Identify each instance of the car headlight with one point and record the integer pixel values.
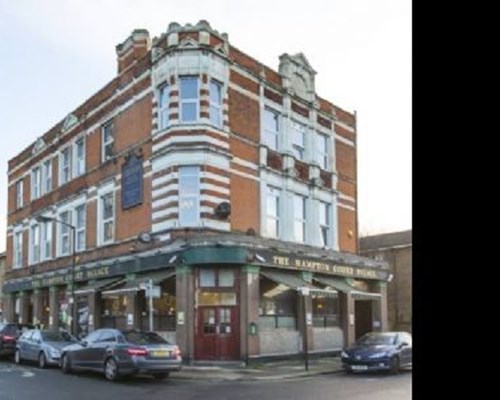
(54, 353)
(378, 355)
(344, 355)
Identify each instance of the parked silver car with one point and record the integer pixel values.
(43, 346)
(121, 353)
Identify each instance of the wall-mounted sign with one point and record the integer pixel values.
(180, 318)
(132, 175)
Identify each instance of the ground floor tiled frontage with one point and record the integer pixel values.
(223, 297)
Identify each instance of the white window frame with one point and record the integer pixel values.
(322, 151)
(189, 202)
(80, 229)
(62, 166)
(17, 246)
(274, 194)
(271, 137)
(19, 193)
(46, 238)
(325, 211)
(299, 149)
(101, 222)
(216, 108)
(36, 182)
(34, 241)
(299, 218)
(163, 108)
(47, 176)
(79, 164)
(189, 100)
(64, 232)
(106, 143)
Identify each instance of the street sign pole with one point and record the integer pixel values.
(151, 304)
(305, 292)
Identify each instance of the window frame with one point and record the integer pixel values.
(46, 227)
(300, 219)
(163, 109)
(322, 150)
(80, 163)
(276, 194)
(19, 193)
(64, 232)
(299, 149)
(193, 194)
(110, 142)
(214, 106)
(270, 133)
(63, 167)
(103, 221)
(80, 229)
(47, 176)
(17, 245)
(36, 182)
(35, 245)
(189, 100)
(325, 225)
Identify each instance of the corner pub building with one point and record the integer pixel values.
(228, 185)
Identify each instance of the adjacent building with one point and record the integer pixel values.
(395, 249)
(2, 272)
(228, 186)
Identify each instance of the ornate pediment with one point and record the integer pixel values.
(39, 146)
(69, 122)
(298, 75)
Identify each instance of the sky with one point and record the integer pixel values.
(54, 54)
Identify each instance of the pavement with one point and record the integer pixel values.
(260, 371)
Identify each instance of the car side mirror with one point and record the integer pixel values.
(84, 343)
(403, 344)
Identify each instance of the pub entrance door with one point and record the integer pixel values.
(217, 333)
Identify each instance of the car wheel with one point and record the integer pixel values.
(111, 370)
(394, 365)
(42, 361)
(66, 364)
(163, 375)
(17, 357)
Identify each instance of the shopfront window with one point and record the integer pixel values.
(164, 308)
(114, 311)
(278, 305)
(325, 311)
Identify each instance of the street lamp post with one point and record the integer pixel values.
(42, 218)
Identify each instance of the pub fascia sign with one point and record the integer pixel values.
(95, 273)
(326, 267)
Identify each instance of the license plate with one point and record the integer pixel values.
(160, 353)
(359, 367)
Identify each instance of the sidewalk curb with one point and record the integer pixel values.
(261, 378)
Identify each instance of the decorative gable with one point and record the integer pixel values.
(298, 75)
(39, 146)
(69, 122)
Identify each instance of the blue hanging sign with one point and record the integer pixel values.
(132, 176)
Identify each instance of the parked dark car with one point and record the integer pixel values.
(121, 353)
(9, 333)
(379, 351)
(43, 346)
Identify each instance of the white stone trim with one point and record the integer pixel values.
(161, 201)
(346, 206)
(344, 140)
(157, 192)
(245, 163)
(190, 139)
(244, 175)
(345, 126)
(244, 92)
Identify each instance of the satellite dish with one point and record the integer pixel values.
(223, 210)
(145, 237)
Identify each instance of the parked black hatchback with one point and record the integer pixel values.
(121, 353)
(379, 351)
(9, 333)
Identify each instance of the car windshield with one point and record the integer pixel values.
(143, 338)
(377, 339)
(51, 336)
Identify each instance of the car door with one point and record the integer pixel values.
(81, 357)
(98, 349)
(405, 345)
(35, 345)
(23, 344)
